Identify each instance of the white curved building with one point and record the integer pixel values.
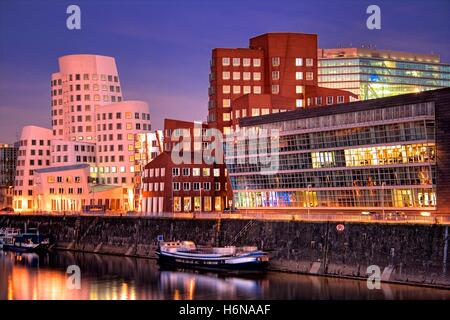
(90, 125)
(34, 153)
(83, 82)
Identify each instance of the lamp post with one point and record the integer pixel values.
(382, 198)
(309, 202)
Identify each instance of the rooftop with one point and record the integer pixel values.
(63, 168)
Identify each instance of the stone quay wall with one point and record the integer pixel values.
(405, 253)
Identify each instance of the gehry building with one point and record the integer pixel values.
(97, 141)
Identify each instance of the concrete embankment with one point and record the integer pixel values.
(414, 254)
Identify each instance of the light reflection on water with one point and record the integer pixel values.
(32, 277)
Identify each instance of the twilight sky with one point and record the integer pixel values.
(162, 48)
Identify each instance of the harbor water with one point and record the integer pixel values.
(32, 276)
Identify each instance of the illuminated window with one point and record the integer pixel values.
(256, 76)
(246, 76)
(299, 62)
(236, 76)
(257, 62)
(197, 204)
(299, 76)
(186, 204)
(225, 61)
(177, 204)
(322, 159)
(226, 103)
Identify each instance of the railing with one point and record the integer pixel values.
(266, 215)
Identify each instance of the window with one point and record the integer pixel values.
(275, 61)
(236, 76)
(236, 62)
(246, 76)
(298, 89)
(175, 171)
(329, 100)
(257, 89)
(236, 89)
(299, 76)
(275, 75)
(226, 116)
(176, 186)
(186, 204)
(196, 172)
(186, 172)
(206, 172)
(299, 62)
(186, 186)
(216, 172)
(318, 101)
(340, 99)
(206, 186)
(247, 89)
(299, 103)
(309, 62)
(309, 76)
(226, 75)
(275, 88)
(226, 89)
(226, 103)
(177, 204)
(256, 76)
(255, 112)
(246, 62)
(322, 159)
(257, 62)
(225, 61)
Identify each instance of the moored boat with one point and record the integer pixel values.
(30, 241)
(187, 254)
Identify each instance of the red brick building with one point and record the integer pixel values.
(187, 186)
(278, 72)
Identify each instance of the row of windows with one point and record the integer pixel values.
(34, 152)
(76, 147)
(357, 118)
(87, 97)
(189, 204)
(196, 186)
(86, 76)
(128, 126)
(395, 198)
(118, 115)
(237, 89)
(86, 87)
(276, 61)
(245, 62)
(351, 178)
(34, 142)
(196, 172)
(397, 133)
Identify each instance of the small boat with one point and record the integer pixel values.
(187, 254)
(7, 233)
(30, 241)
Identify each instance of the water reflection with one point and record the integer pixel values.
(29, 276)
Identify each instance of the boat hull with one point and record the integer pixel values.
(230, 263)
(24, 248)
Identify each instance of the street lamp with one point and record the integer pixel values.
(383, 184)
(309, 201)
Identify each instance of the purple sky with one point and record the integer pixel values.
(162, 48)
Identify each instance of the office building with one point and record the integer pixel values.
(371, 73)
(278, 72)
(382, 155)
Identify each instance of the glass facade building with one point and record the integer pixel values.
(373, 155)
(375, 74)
